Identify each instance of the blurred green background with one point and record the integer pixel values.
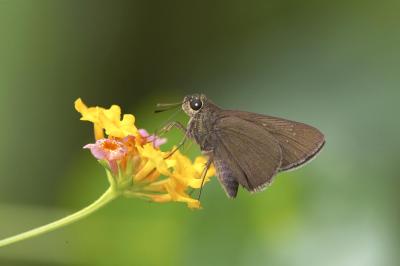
(332, 64)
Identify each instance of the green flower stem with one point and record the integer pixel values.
(108, 196)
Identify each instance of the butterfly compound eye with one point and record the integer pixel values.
(196, 104)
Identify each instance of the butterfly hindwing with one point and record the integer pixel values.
(251, 154)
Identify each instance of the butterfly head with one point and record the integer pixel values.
(193, 104)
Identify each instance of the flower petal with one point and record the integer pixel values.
(156, 157)
(107, 119)
(96, 151)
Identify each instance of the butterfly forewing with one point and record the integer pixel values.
(299, 142)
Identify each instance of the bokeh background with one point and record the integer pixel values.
(332, 64)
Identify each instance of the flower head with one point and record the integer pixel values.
(134, 163)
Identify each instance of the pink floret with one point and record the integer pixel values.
(157, 141)
(108, 149)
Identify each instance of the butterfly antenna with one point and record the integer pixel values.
(162, 107)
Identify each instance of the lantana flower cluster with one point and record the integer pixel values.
(134, 163)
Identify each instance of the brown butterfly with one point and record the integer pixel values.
(246, 148)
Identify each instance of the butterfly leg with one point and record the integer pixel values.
(168, 127)
(204, 173)
(180, 144)
(173, 124)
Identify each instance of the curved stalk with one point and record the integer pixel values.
(108, 196)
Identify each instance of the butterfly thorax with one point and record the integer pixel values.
(201, 127)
